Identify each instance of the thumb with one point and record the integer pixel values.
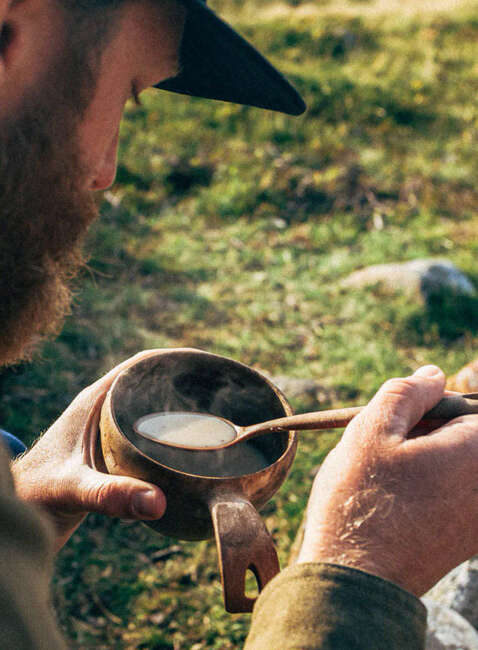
(119, 496)
(400, 404)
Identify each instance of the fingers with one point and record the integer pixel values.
(118, 496)
(399, 404)
(462, 433)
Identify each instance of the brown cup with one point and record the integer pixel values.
(199, 507)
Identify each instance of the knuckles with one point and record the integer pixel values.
(111, 499)
(404, 388)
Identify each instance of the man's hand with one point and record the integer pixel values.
(57, 473)
(405, 509)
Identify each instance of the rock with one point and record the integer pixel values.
(310, 393)
(424, 277)
(465, 380)
(459, 590)
(295, 387)
(448, 630)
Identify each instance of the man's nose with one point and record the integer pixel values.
(105, 174)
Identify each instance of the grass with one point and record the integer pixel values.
(230, 229)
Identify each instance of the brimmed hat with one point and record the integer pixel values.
(217, 63)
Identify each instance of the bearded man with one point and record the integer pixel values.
(384, 510)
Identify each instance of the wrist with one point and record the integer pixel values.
(363, 556)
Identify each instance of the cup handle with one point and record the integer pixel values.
(243, 542)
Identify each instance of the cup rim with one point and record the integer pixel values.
(292, 436)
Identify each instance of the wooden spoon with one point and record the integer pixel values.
(449, 407)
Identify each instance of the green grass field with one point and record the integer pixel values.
(231, 229)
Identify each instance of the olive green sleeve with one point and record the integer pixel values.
(26, 618)
(326, 606)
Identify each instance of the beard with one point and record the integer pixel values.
(44, 212)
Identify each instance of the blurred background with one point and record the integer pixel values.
(236, 231)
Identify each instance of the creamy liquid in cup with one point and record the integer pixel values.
(197, 430)
(188, 429)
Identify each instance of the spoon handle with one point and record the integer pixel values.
(447, 409)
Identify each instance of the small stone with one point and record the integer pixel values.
(466, 379)
(459, 590)
(448, 630)
(309, 393)
(157, 617)
(424, 277)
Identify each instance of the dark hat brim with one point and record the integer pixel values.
(217, 63)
